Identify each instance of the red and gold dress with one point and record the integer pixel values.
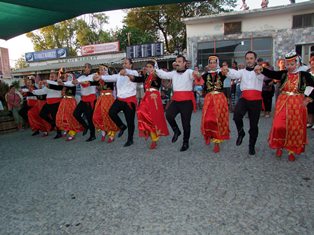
(101, 118)
(150, 113)
(289, 124)
(35, 121)
(65, 119)
(215, 114)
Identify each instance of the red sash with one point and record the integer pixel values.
(31, 102)
(89, 99)
(53, 100)
(183, 96)
(129, 101)
(252, 95)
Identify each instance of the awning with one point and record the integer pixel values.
(22, 16)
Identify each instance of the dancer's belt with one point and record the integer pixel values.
(68, 97)
(214, 92)
(106, 93)
(151, 89)
(290, 93)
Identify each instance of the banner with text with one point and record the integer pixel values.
(101, 48)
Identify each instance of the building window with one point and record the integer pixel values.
(303, 21)
(234, 50)
(232, 27)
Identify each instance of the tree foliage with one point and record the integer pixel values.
(166, 19)
(21, 63)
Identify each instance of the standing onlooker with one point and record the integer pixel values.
(281, 66)
(14, 100)
(267, 92)
(227, 87)
(233, 88)
(198, 88)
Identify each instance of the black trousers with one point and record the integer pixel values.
(267, 99)
(23, 112)
(86, 109)
(129, 114)
(254, 110)
(185, 108)
(49, 113)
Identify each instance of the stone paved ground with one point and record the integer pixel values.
(54, 187)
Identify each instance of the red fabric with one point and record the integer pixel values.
(31, 102)
(54, 100)
(101, 118)
(35, 121)
(215, 117)
(89, 99)
(252, 95)
(289, 124)
(148, 81)
(150, 115)
(129, 100)
(184, 96)
(65, 119)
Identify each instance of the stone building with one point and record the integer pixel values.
(270, 32)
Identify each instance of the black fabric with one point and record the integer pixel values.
(24, 110)
(156, 81)
(213, 82)
(129, 114)
(267, 99)
(86, 109)
(185, 108)
(254, 110)
(49, 113)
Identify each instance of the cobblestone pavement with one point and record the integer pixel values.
(55, 187)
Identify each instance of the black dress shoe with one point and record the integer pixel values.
(184, 147)
(35, 133)
(251, 150)
(240, 138)
(122, 129)
(85, 131)
(58, 136)
(175, 136)
(128, 143)
(91, 139)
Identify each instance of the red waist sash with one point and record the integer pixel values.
(252, 95)
(129, 100)
(184, 96)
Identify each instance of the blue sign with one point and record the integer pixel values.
(46, 55)
(145, 50)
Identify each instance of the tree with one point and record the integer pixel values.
(166, 19)
(21, 63)
(72, 34)
(136, 36)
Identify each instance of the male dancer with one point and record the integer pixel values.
(87, 103)
(126, 99)
(251, 100)
(183, 100)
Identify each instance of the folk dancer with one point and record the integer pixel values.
(150, 113)
(183, 99)
(251, 99)
(296, 91)
(101, 118)
(215, 115)
(87, 103)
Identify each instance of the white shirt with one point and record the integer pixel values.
(85, 91)
(49, 92)
(25, 90)
(180, 81)
(125, 87)
(249, 80)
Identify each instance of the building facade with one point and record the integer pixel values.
(270, 32)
